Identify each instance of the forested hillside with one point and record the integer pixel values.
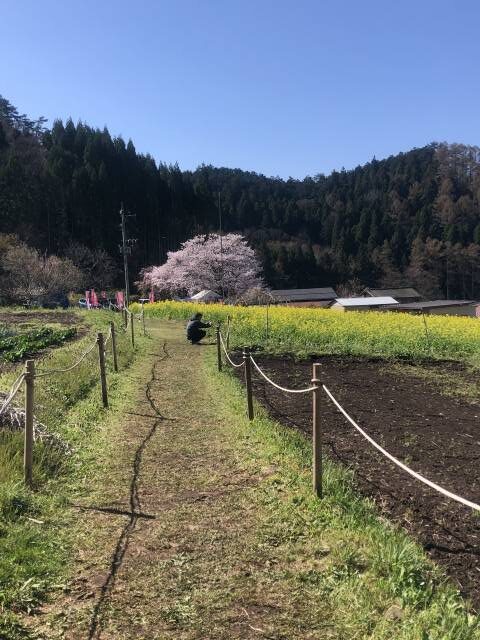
(412, 218)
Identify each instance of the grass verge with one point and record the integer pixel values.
(35, 540)
(372, 578)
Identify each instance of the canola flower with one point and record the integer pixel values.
(326, 331)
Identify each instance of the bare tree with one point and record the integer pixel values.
(97, 265)
(28, 277)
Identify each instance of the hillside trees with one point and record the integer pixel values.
(65, 184)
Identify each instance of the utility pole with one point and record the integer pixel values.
(126, 250)
(221, 245)
(448, 292)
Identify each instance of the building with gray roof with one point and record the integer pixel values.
(442, 307)
(402, 294)
(363, 304)
(317, 297)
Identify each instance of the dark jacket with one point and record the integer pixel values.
(193, 328)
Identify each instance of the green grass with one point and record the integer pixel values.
(240, 538)
(68, 388)
(34, 537)
(362, 567)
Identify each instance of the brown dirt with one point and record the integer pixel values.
(436, 435)
(24, 318)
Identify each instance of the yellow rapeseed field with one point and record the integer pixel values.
(317, 331)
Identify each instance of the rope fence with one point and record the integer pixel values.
(277, 386)
(403, 466)
(240, 364)
(49, 372)
(247, 363)
(316, 423)
(14, 389)
(109, 336)
(30, 375)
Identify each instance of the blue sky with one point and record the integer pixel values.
(279, 87)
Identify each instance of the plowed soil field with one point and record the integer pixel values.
(436, 435)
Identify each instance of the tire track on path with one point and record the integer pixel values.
(96, 622)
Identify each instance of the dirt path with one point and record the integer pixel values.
(169, 545)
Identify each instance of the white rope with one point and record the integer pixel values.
(414, 474)
(226, 354)
(13, 392)
(132, 314)
(277, 385)
(125, 328)
(42, 374)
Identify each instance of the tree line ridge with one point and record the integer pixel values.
(412, 218)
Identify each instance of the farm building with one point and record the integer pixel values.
(206, 295)
(443, 307)
(321, 297)
(363, 304)
(403, 295)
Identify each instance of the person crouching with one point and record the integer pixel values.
(195, 328)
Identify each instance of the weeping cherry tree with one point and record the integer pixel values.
(224, 264)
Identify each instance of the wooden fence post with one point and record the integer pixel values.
(143, 321)
(316, 433)
(125, 317)
(268, 327)
(101, 361)
(248, 382)
(132, 329)
(219, 349)
(29, 403)
(114, 346)
(228, 333)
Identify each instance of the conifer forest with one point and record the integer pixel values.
(413, 218)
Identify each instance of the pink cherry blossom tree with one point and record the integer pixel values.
(227, 266)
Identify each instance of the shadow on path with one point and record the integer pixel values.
(114, 511)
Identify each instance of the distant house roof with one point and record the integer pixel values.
(205, 294)
(366, 302)
(432, 304)
(402, 292)
(304, 295)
